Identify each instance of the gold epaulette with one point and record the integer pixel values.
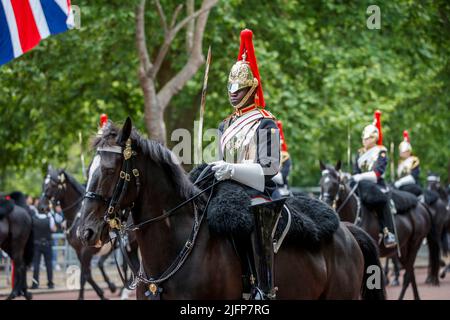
(361, 150)
(415, 162)
(266, 114)
(284, 156)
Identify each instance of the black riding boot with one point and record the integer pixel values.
(266, 215)
(387, 226)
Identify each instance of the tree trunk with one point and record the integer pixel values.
(155, 103)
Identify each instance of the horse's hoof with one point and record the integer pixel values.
(103, 298)
(12, 295)
(28, 295)
(432, 281)
(395, 283)
(112, 288)
(442, 275)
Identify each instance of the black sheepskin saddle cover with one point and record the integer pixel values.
(430, 197)
(412, 188)
(372, 196)
(228, 213)
(404, 201)
(6, 207)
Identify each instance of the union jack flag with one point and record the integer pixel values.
(23, 23)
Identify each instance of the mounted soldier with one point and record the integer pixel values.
(370, 166)
(408, 169)
(250, 149)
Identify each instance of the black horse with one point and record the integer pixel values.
(438, 199)
(16, 239)
(61, 186)
(412, 226)
(206, 266)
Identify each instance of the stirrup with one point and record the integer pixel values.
(389, 240)
(258, 294)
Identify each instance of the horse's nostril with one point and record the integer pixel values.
(87, 234)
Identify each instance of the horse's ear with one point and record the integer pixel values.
(338, 165)
(322, 165)
(125, 133)
(49, 168)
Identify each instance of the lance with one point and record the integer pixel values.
(392, 162)
(349, 150)
(83, 169)
(202, 106)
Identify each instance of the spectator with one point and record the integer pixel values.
(58, 215)
(43, 226)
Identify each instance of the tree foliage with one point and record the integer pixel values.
(323, 71)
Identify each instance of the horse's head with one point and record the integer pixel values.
(433, 182)
(329, 182)
(52, 188)
(112, 184)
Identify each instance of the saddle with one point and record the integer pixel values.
(430, 197)
(312, 221)
(6, 207)
(412, 188)
(372, 196)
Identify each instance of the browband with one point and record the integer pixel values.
(115, 149)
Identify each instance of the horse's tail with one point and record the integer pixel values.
(434, 245)
(29, 248)
(371, 258)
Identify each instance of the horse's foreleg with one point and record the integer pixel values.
(86, 272)
(82, 284)
(414, 286)
(101, 262)
(396, 263)
(386, 271)
(406, 280)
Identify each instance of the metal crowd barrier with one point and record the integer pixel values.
(63, 255)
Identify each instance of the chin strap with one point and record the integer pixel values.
(250, 174)
(247, 96)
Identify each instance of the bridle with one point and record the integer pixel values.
(336, 198)
(112, 216)
(119, 228)
(62, 186)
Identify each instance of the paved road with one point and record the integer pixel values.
(427, 292)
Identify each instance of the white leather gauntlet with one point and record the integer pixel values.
(250, 174)
(369, 176)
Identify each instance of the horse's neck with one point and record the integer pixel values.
(160, 242)
(69, 203)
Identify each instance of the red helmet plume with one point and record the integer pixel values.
(247, 48)
(377, 123)
(406, 136)
(103, 119)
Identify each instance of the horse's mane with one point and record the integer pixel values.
(77, 186)
(153, 150)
